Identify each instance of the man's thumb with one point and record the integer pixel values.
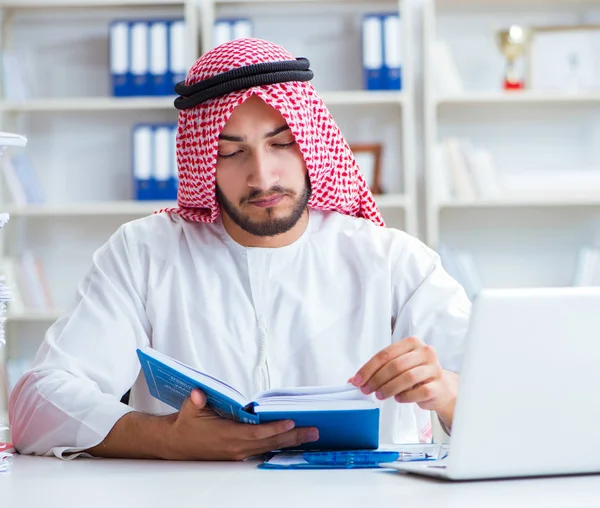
(195, 402)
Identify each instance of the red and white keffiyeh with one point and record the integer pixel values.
(336, 181)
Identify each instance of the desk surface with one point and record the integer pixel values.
(49, 482)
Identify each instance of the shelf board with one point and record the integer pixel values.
(363, 97)
(392, 201)
(82, 4)
(534, 202)
(110, 104)
(138, 208)
(89, 104)
(513, 6)
(33, 316)
(526, 97)
(107, 208)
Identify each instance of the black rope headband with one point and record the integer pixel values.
(266, 73)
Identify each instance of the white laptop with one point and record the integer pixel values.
(529, 396)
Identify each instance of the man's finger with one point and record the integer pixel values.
(290, 439)
(401, 347)
(194, 403)
(409, 380)
(394, 369)
(264, 430)
(420, 394)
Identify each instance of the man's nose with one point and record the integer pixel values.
(263, 174)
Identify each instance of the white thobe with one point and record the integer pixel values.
(311, 313)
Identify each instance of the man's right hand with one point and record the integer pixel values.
(198, 433)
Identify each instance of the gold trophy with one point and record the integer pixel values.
(513, 43)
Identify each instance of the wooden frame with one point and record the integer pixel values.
(369, 154)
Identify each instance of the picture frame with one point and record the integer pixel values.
(563, 58)
(368, 157)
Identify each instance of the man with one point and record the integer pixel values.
(274, 271)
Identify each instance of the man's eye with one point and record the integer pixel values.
(284, 145)
(228, 155)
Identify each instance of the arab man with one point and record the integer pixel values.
(275, 270)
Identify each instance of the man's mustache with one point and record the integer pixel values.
(273, 191)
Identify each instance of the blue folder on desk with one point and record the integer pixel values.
(346, 418)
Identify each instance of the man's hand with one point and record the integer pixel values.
(197, 433)
(409, 371)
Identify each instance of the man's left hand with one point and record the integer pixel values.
(409, 371)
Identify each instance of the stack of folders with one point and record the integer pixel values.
(147, 58)
(229, 29)
(155, 162)
(382, 51)
(6, 140)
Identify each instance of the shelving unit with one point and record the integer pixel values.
(79, 136)
(79, 142)
(514, 240)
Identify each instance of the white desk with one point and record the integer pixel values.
(48, 482)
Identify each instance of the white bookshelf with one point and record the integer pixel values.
(79, 136)
(112, 104)
(514, 239)
(478, 99)
(79, 142)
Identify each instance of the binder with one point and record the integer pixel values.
(161, 176)
(174, 180)
(177, 53)
(142, 162)
(392, 51)
(160, 84)
(119, 58)
(140, 60)
(241, 29)
(372, 52)
(222, 32)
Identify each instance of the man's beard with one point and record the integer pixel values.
(270, 226)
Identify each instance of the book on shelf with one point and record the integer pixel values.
(147, 57)
(382, 51)
(465, 172)
(27, 280)
(21, 181)
(230, 29)
(154, 162)
(446, 76)
(17, 80)
(587, 268)
(460, 265)
(344, 416)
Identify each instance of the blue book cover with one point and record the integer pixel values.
(119, 58)
(139, 40)
(346, 418)
(143, 162)
(160, 80)
(392, 51)
(372, 52)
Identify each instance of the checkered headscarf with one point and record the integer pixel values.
(336, 181)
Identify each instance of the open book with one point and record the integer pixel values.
(345, 417)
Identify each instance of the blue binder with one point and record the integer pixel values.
(160, 82)
(372, 52)
(162, 159)
(392, 51)
(142, 162)
(119, 58)
(177, 69)
(139, 37)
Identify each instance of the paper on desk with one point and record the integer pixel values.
(5, 455)
(408, 452)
